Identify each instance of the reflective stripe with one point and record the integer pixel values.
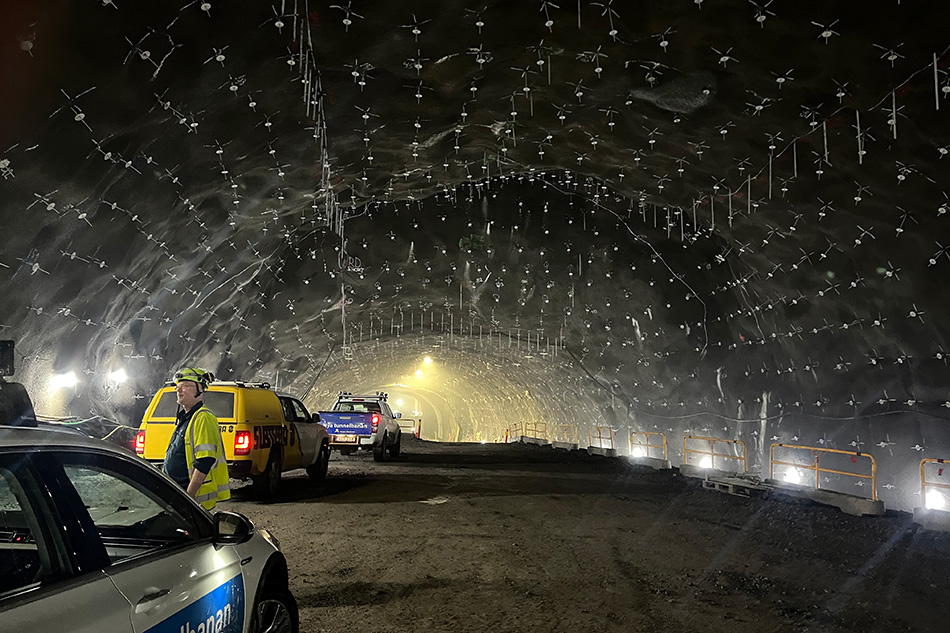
(214, 494)
(205, 447)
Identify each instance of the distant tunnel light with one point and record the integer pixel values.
(706, 462)
(66, 380)
(427, 360)
(118, 376)
(399, 402)
(638, 452)
(419, 374)
(935, 500)
(792, 476)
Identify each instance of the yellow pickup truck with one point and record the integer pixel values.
(265, 433)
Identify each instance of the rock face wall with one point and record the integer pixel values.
(727, 219)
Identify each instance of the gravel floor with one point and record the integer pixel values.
(494, 537)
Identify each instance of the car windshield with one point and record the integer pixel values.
(221, 404)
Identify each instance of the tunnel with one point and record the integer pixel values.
(716, 221)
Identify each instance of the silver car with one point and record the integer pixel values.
(94, 539)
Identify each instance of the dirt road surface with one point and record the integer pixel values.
(523, 538)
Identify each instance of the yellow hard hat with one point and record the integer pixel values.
(201, 376)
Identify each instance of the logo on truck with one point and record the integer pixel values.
(267, 436)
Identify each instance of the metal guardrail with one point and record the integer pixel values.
(537, 430)
(596, 434)
(646, 446)
(566, 433)
(816, 468)
(925, 484)
(711, 453)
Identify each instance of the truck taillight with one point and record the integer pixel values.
(375, 422)
(242, 443)
(140, 443)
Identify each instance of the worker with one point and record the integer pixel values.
(195, 457)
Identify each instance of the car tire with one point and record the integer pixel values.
(276, 612)
(318, 470)
(267, 483)
(396, 448)
(379, 451)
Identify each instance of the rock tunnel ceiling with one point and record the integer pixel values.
(707, 213)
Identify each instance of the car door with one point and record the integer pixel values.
(50, 572)
(158, 542)
(391, 424)
(308, 431)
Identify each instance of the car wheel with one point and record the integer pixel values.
(379, 451)
(276, 612)
(267, 483)
(318, 471)
(397, 447)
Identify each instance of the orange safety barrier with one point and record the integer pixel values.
(596, 434)
(538, 430)
(938, 465)
(566, 433)
(647, 447)
(711, 453)
(514, 431)
(816, 468)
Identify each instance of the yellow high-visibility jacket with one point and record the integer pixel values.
(203, 439)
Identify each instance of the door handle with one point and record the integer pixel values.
(152, 594)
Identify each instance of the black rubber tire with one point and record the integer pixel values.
(275, 612)
(268, 482)
(379, 451)
(396, 448)
(318, 471)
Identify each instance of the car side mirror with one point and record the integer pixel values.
(231, 528)
(397, 415)
(315, 418)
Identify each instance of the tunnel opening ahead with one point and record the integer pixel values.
(467, 388)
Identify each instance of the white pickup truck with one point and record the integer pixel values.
(363, 422)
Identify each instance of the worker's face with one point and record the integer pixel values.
(188, 395)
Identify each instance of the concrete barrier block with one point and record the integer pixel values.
(688, 470)
(849, 504)
(534, 440)
(604, 452)
(652, 462)
(929, 519)
(565, 446)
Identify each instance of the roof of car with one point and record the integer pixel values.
(234, 383)
(45, 436)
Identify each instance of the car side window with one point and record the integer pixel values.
(26, 557)
(21, 564)
(300, 411)
(287, 408)
(132, 512)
